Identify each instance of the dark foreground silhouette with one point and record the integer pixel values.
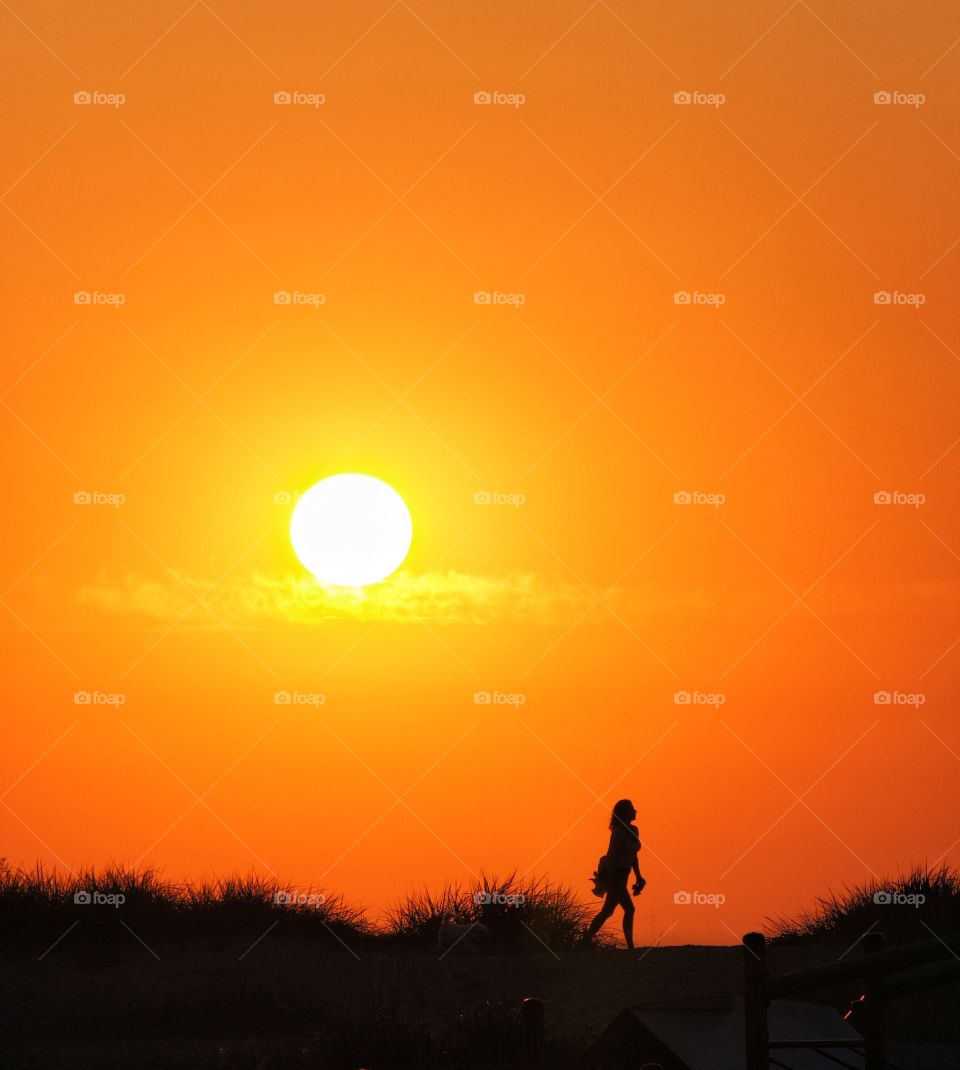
(230, 975)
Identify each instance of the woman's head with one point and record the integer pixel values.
(623, 813)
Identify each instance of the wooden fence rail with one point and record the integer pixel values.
(885, 973)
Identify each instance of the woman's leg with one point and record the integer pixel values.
(617, 896)
(628, 912)
(609, 905)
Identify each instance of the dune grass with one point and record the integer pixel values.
(34, 902)
(911, 906)
(517, 913)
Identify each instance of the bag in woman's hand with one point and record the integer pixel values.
(599, 878)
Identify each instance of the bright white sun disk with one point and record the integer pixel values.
(351, 530)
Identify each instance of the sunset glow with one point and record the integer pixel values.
(641, 320)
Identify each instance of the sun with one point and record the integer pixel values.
(351, 530)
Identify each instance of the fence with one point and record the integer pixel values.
(884, 973)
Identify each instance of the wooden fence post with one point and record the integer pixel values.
(531, 1022)
(875, 1024)
(757, 1055)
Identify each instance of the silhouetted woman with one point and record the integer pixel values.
(621, 858)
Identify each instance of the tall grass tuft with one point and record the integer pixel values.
(911, 906)
(532, 915)
(41, 902)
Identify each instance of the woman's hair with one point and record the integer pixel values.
(622, 813)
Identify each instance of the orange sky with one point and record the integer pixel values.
(590, 193)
